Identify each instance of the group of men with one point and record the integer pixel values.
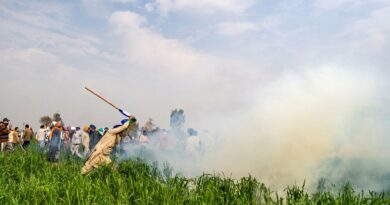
(12, 137)
(95, 144)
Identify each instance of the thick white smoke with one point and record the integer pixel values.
(304, 119)
(307, 124)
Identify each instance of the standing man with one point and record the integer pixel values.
(13, 139)
(4, 132)
(54, 141)
(93, 136)
(101, 153)
(85, 140)
(41, 134)
(27, 136)
(76, 141)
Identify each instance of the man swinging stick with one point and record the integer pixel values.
(100, 155)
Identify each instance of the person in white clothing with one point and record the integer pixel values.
(41, 135)
(76, 142)
(193, 141)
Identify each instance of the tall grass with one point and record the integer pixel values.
(27, 178)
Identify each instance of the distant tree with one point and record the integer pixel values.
(177, 119)
(45, 120)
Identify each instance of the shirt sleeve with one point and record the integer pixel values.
(119, 129)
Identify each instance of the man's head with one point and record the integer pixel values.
(86, 128)
(92, 127)
(16, 129)
(27, 126)
(6, 121)
(42, 126)
(101, 131)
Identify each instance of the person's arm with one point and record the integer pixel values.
(119, 129)
(18, 137)
(11, 137)
(4, 131)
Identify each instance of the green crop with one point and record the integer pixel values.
(27, 178)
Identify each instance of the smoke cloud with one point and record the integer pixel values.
(325, 123)
(306, 118)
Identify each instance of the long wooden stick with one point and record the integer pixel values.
(101, 97)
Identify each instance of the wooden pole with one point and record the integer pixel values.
(101, 97)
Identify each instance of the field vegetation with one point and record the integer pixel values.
(27, 178)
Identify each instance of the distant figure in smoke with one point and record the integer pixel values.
(193, 141)
(101, 153)
(55, 138)
(148, 128)
(146, 132)
(177, 119)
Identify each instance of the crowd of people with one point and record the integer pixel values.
(12, 137)
(54, 138)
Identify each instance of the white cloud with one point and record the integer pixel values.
(124, 1)
(182, 76)
(110, 1)
(143, 46)
(235, 28)
(370, 33)
(203, 6)
(334, 4)
(149, 7)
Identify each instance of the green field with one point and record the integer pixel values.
(27, 178)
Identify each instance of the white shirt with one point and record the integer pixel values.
(76, 139)
(41, 133)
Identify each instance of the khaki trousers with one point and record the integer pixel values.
(96, 159)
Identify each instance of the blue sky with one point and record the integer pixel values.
(283, 73)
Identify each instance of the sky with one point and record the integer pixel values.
(270, 77)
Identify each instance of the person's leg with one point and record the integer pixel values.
(77, 148)
(86, 152)
(25, 144)
(92, 163)
(9, 146)
(72, 149)
(53, 148)
(41, 144)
